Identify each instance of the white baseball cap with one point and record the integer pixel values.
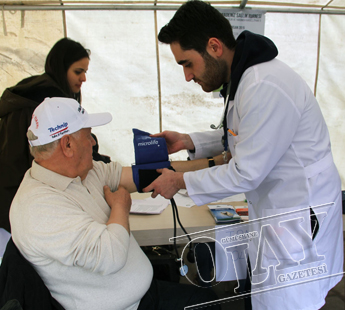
(55, 117)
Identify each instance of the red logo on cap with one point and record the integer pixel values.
(36, 121)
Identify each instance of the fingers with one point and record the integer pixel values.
(151, 187)
(161, 134)
(120, 192)
(148, 188)
(154, 195)
(160, 187)
(106, 190)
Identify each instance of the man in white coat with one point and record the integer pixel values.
(280, 147)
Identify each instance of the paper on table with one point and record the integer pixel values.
(149, 205)
(183, 200)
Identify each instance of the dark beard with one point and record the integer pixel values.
(215, 73)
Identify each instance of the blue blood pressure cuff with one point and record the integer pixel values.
(149, 149)
(151, 153)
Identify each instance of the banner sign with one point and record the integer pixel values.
(252, 20)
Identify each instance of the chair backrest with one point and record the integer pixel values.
(20, 281)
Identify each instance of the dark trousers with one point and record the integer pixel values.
(164, 295)
(204, 255)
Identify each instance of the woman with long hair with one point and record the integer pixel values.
(65, 71)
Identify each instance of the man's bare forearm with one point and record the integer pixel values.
(179, 166)
(197, 164)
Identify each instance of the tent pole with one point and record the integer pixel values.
(243, 4)
(158, 73)
(314, 10)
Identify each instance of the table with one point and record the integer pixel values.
(158, 229)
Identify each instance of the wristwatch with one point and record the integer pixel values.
(211, 162)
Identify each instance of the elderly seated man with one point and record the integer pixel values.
(69, 219)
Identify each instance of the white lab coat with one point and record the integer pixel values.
(282, 161)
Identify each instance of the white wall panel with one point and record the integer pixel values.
(25, 40)
(330, 90)
(296, 37)
(122, 76)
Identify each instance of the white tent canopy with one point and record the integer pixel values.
(135, 78)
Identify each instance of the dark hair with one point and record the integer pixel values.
(62, 55)
(193, 24)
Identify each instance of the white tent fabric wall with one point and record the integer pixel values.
(123, 74)
(330, 90)
(25, 40)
